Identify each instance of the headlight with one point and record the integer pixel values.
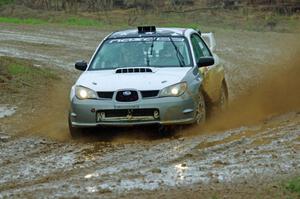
(85, 93)
(174, 90)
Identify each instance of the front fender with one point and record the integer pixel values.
(72, 93)
(213, 78)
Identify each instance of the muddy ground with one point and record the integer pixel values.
(244, 153)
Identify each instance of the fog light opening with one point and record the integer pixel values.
(156, 114)
(101, 116)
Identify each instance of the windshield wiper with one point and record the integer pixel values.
(178, 54)
(151, 50)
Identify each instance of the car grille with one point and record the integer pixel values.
(125, 112)
(127, 96)
(120, 97)
(118, 115)
(146, 94)
(106, 95)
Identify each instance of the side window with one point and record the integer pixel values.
(196, 48)
(200, 49)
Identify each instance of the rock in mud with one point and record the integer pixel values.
(156, 170)
(4, 137)
(215, 180)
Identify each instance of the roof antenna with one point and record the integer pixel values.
(199, 31)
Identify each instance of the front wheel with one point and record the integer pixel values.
(166, 131)
(74, 132)
(201, 110)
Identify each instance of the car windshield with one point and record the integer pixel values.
(144, 51)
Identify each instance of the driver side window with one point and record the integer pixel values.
(199, 47)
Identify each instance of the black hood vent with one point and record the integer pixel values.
(134, 70)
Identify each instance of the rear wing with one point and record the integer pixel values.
(209, 39)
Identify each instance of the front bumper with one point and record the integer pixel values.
(172, 110)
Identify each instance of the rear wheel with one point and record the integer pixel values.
(74, 131)
(201, 110)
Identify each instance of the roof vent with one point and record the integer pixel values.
(145, 29)
(134, 70)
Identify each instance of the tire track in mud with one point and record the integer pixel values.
(222, 162)
(38, 164)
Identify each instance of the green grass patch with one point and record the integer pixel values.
(6, 2)
(27, 71)
(294, 185)
(29, 21)
(77, 21)
(68, 21)
(122, 19)
(14, 70)
(17, 69)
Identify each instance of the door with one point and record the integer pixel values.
(213, 75)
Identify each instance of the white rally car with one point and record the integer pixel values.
(148, 76)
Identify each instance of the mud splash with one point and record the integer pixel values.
(50, 118)
(277, 93)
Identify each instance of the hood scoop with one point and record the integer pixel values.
(134, 70)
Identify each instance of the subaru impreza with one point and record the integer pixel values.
(148, 76)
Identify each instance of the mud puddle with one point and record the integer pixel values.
(6, 110)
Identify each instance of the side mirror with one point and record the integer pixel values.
(205, 61)
(81, 65)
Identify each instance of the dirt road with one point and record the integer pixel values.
(39, 159)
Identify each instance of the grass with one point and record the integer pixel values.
(119, 19)
(80, 21)
(29, 21)
(69, 21)
(293, 185)
(77, 21)
(5, 2)
(125, 18)
(18, 72)
(16, 69)
(28, 71)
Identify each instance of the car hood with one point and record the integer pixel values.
(109, 80)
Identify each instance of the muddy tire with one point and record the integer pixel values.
(223, 100)
(165, 131)
(200, 117)
(74, 132)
